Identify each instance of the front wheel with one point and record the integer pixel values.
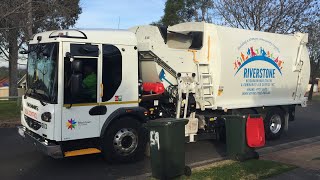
(124, 141)
(274, 123)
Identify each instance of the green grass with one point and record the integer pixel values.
(9, 110)
(252, 169)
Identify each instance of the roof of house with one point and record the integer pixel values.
(4, 82)
(23, 79)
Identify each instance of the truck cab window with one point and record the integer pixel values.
(111, 71)
(88, 91)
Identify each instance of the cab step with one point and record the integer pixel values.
(82, 152)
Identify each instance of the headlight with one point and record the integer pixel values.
(46, 117)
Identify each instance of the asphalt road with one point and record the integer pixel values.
(19, 160)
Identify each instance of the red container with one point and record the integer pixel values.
(255, 132)
(153, 88)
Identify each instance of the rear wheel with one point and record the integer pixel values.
(124, 141)
(187, 171)
(274, 123)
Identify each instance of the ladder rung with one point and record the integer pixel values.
(207, 85)
(208, 106)
(208, 96)
(206, 74)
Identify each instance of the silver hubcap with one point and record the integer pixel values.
(125, 141)
(276, 124)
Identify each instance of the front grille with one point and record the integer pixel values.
(32, 123)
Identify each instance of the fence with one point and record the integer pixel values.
(18, 99)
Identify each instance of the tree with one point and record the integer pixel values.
(20, 19)
(178, 11)
(198, 10)
(281, 16)
(173, 12)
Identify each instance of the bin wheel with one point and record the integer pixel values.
(124, 141)
(187, 171)
(256, 155)
(240, 157)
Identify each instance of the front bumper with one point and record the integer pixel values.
(48, 148)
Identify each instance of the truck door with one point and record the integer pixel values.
(81, 112)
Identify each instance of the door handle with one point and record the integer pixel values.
(101, 90)
(98, 110)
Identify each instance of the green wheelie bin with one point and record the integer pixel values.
(167, 147)
(237, 147)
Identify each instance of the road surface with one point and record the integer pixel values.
(19, 160)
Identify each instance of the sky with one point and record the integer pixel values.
(106, 14)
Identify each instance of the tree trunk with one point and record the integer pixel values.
(313, 76)
(13, 61)
(30, 20)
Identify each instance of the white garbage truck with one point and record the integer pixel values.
(91, 91)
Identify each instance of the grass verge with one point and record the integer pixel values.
(248, 170)
(9, 113)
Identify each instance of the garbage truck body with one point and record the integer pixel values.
(91, 91)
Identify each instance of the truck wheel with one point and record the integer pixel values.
(274, 123)
(187, 171)
(124, 141)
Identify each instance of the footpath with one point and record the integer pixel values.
(306, 157)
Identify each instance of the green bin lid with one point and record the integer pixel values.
(165, 122)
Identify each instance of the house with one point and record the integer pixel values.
(4, 82)
(22, 83)
(4, 87)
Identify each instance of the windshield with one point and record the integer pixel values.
(42, 72)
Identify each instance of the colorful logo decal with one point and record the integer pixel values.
(162, 77)
(118, 98)
(71, 124)
(258, 78)
(253, 55)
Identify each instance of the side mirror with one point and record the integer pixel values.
(76, 84)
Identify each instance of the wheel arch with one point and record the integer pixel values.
(134, 112)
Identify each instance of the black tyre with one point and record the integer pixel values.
(124, 141)
(256, 155)
(274, 123)
(187, 171)
(240, 157)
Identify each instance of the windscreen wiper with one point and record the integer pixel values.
(41, 96)
(33, 92)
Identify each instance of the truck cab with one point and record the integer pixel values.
(79, 84)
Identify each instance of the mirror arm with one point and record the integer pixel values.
(68, 55)
(69, 107)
